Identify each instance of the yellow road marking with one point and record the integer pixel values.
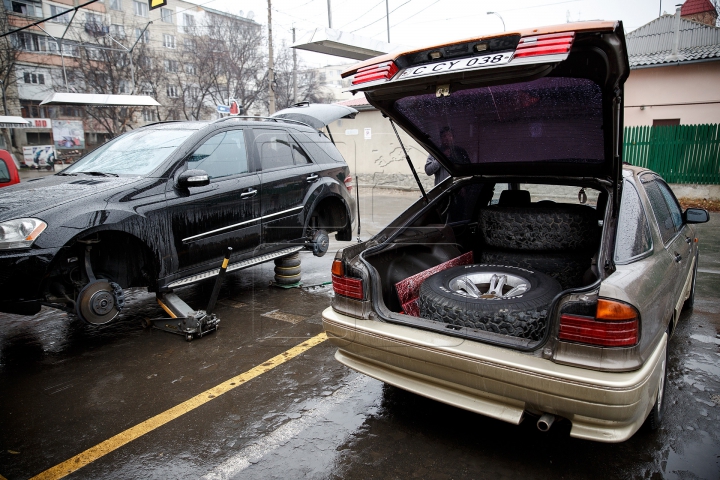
(113, 443)
(2, 478)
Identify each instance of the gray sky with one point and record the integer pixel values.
(423, 22)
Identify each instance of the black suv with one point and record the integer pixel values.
(157, 207)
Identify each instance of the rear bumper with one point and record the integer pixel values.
(497, 382)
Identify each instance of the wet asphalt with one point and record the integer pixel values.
(66, 387)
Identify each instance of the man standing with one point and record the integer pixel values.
(454, 153)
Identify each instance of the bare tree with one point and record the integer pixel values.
(8, 58)
(309, 87)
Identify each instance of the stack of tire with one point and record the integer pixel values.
(287, 270)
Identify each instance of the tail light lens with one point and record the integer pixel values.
(550, 44)
(616, 324)
(346, 286)
(348, 183)
(380, 71)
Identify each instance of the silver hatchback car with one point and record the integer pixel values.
(493, 292)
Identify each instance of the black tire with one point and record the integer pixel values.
(567, 268)
(690, 302)
(289, 261)
(538, 228)
(287, 280)
(287, 271)
(523, 316)
(656, 414)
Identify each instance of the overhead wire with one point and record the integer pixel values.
(361, 16)
(381, 18)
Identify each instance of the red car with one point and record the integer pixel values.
(8, 170)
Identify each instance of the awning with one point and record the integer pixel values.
(99, 100)
(343, 44)
(13, 122)
(317, 115)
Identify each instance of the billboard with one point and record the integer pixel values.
(39, 156)
(68, 134)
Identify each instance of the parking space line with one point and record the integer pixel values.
(113, 443)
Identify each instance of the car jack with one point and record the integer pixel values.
(183, 319)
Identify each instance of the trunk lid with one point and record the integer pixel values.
(544, 101)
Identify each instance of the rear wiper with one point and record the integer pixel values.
(101, 174)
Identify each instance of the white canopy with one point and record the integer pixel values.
(99, 100)
(13, 122)
(342, 44)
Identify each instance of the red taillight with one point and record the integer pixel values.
(615, 325)
(349, 287)
(380, 71)
(348, 183)
(550, 44)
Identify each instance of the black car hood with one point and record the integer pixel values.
(545, 115)
(30, 199)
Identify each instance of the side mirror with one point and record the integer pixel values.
(193, 178)
(696, 215)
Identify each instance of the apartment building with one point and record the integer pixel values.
(108, 31)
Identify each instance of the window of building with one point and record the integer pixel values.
(55, 10)
(37, 78)
(141, 8)
(117, 30)
(142, 37)
(665, 122)
(27, 8)
(166, 15)
(171, 66)
(93, 18)
(190, 69)
(168, 41)
(115, 4)
(172, 91)
(149, 115)
(188, 20)
(189, 43)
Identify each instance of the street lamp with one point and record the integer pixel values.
(501, 19)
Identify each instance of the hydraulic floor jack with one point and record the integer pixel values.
(183, 319)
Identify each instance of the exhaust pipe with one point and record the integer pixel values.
(545, 422)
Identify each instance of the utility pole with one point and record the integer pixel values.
(387, 18)
(271, 67)
(294, 70)
(329, 15)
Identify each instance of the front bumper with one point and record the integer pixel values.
(22, 273)
(497, 382)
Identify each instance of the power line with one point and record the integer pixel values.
(361, 16)
(379, 19)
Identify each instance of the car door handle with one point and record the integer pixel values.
(251, 192)
(678, 257)
(688, 240)
(311, 178)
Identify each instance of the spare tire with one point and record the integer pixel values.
(509, 310)
(540, 228)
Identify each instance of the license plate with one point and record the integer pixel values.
(446, 66)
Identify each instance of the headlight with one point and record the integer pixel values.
(20, 233)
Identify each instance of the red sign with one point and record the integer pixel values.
(39, 123)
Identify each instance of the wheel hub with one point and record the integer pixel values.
(490, 286)
(97, 303)
(102, 302)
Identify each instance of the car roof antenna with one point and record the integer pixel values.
(407, 157)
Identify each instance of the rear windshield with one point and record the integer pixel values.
(551, 119)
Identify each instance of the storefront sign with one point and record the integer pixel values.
(39, 123)
(68, 134)
(39, 156)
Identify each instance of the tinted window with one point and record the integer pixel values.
(672, 203)
(633, 231)
(320, 148)
(300, 157)
(551, 119)
(221, 155)
(275, 149)
(660, 208)
(4, 172)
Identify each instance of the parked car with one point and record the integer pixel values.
(158, 207)
(8, 170)
(483, 296)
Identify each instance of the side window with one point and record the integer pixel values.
(221, 155)
(275, 149)
(659, 207)
(4, 172)
(299, 155)
(633, 232)
(320, 147)
(673, 205)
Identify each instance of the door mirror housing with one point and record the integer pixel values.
(696, 215)
(193, 178)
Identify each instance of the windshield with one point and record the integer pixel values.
(134, 153)
(551, 119)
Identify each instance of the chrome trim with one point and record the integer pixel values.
(284, 211)
(235, 266)
(194, 237)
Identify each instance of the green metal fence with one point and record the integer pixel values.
(679, 153)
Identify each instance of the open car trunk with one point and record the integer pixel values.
(474, 229)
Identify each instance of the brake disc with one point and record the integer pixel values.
(97, 303)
